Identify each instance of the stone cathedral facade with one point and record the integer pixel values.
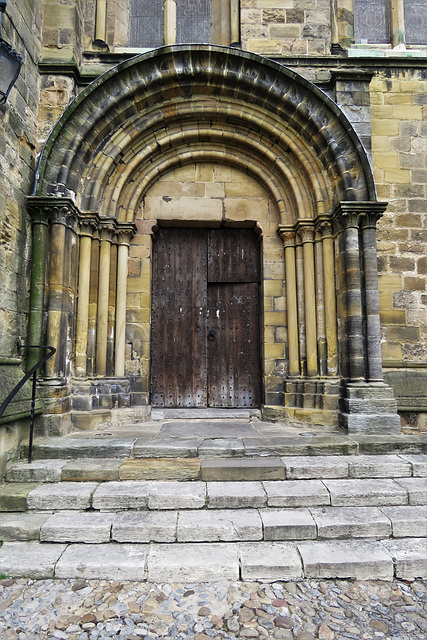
(216, 203)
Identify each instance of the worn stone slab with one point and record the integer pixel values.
(61, 495)
(370, 466)
(384, 444)
(177, 495)
(419, 464)
(242, 469)
(313, 467)
(288, 524)
(269, 561)
(29, 559)
(13, 497)
(112, 496)
(161, 469)
(416, 488)
(365, 493)
(409, 557)
(219, 525)
(221, 447)
(22, 526)
(90, 470)
(351, 522)
(145, 526)
(167, 448)
(192, 562)
(112, 562)
(36, 471)
(71, 526)
(360, 559)
(224, 429)
(75, 447)
(210, 413)
(235, 495)
(407, 521)
(333, 444)
(296, 493)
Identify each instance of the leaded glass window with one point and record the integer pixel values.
(372, 21)
(415, 12)
(146, 23)
(193, 19)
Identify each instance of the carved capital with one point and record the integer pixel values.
(53, 210)
(358, 214)
(288, 235)
(306, 231)
(88, 224)
(125, 232)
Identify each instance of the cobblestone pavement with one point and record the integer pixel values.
(328, 610)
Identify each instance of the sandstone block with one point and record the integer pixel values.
(22, 526)
(269, 561)
(36, 471)
(311, 467)
(358, 559)
(29, 559)
(167, 448)
(409, 557)
(115, 562)
(88, 527)
(364, 492)
(145, 526)
(235, 495)
(378, 467)
(419, 464)
(416, 488)
(91, 469)
(219, 525)
(351, 522)
(177, 495)
(13, 497)
(190, 562)
(242, 469)
(296, 493)
(220, 447)
(77, 447)
(288, 524)
(407, 521)
(111, 496)
(61, 495)
(160, 469)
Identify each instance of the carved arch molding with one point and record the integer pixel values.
(185, 105)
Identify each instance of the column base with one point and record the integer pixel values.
(312, 393)
(368, 408)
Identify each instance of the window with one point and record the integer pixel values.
(415, 12)
(146, 23)
(396, 22)
(372, 21)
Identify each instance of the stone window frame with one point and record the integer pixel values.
(224, 28)
(342, 12)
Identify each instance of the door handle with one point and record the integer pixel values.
(211, 335)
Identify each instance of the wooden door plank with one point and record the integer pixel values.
(233, 255)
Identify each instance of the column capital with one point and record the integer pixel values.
(287, 234)
(107, 228)
(125, 232)
(53, 210)
(325, 227)
(88, 223)
(355, 214)
(306, 231)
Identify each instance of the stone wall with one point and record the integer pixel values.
(399, 152)
(21, 26)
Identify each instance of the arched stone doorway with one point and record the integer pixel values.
(202, 108)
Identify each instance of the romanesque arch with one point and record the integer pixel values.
(186, 106)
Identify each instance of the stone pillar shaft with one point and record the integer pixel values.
(372, 304)
(103, 299)
(100, 20)
(307, 237)
(330, 301)
(56, 285)
(170, 21)
(291, 302)
(397, 24)
(122, 272)
(83, 305)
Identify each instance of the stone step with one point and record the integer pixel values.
(404, 558)
(212, 525)
(146, 494)
(219, 469)
(219, 440)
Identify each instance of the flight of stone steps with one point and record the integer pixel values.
(203, 509)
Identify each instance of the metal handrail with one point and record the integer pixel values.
(31, 372)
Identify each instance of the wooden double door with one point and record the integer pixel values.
(205, 333)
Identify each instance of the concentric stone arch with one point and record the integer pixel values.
(191, 104)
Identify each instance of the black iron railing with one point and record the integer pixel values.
(31, 372)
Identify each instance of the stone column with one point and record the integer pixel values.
(330, 301)
(106, 232)
(372, 303)
(124, 237)
(235, 22)
(353, 320)
(306, 232)
(87, 226)
(398, 24)
(170, 21)
(100, 20)
(288, 238)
